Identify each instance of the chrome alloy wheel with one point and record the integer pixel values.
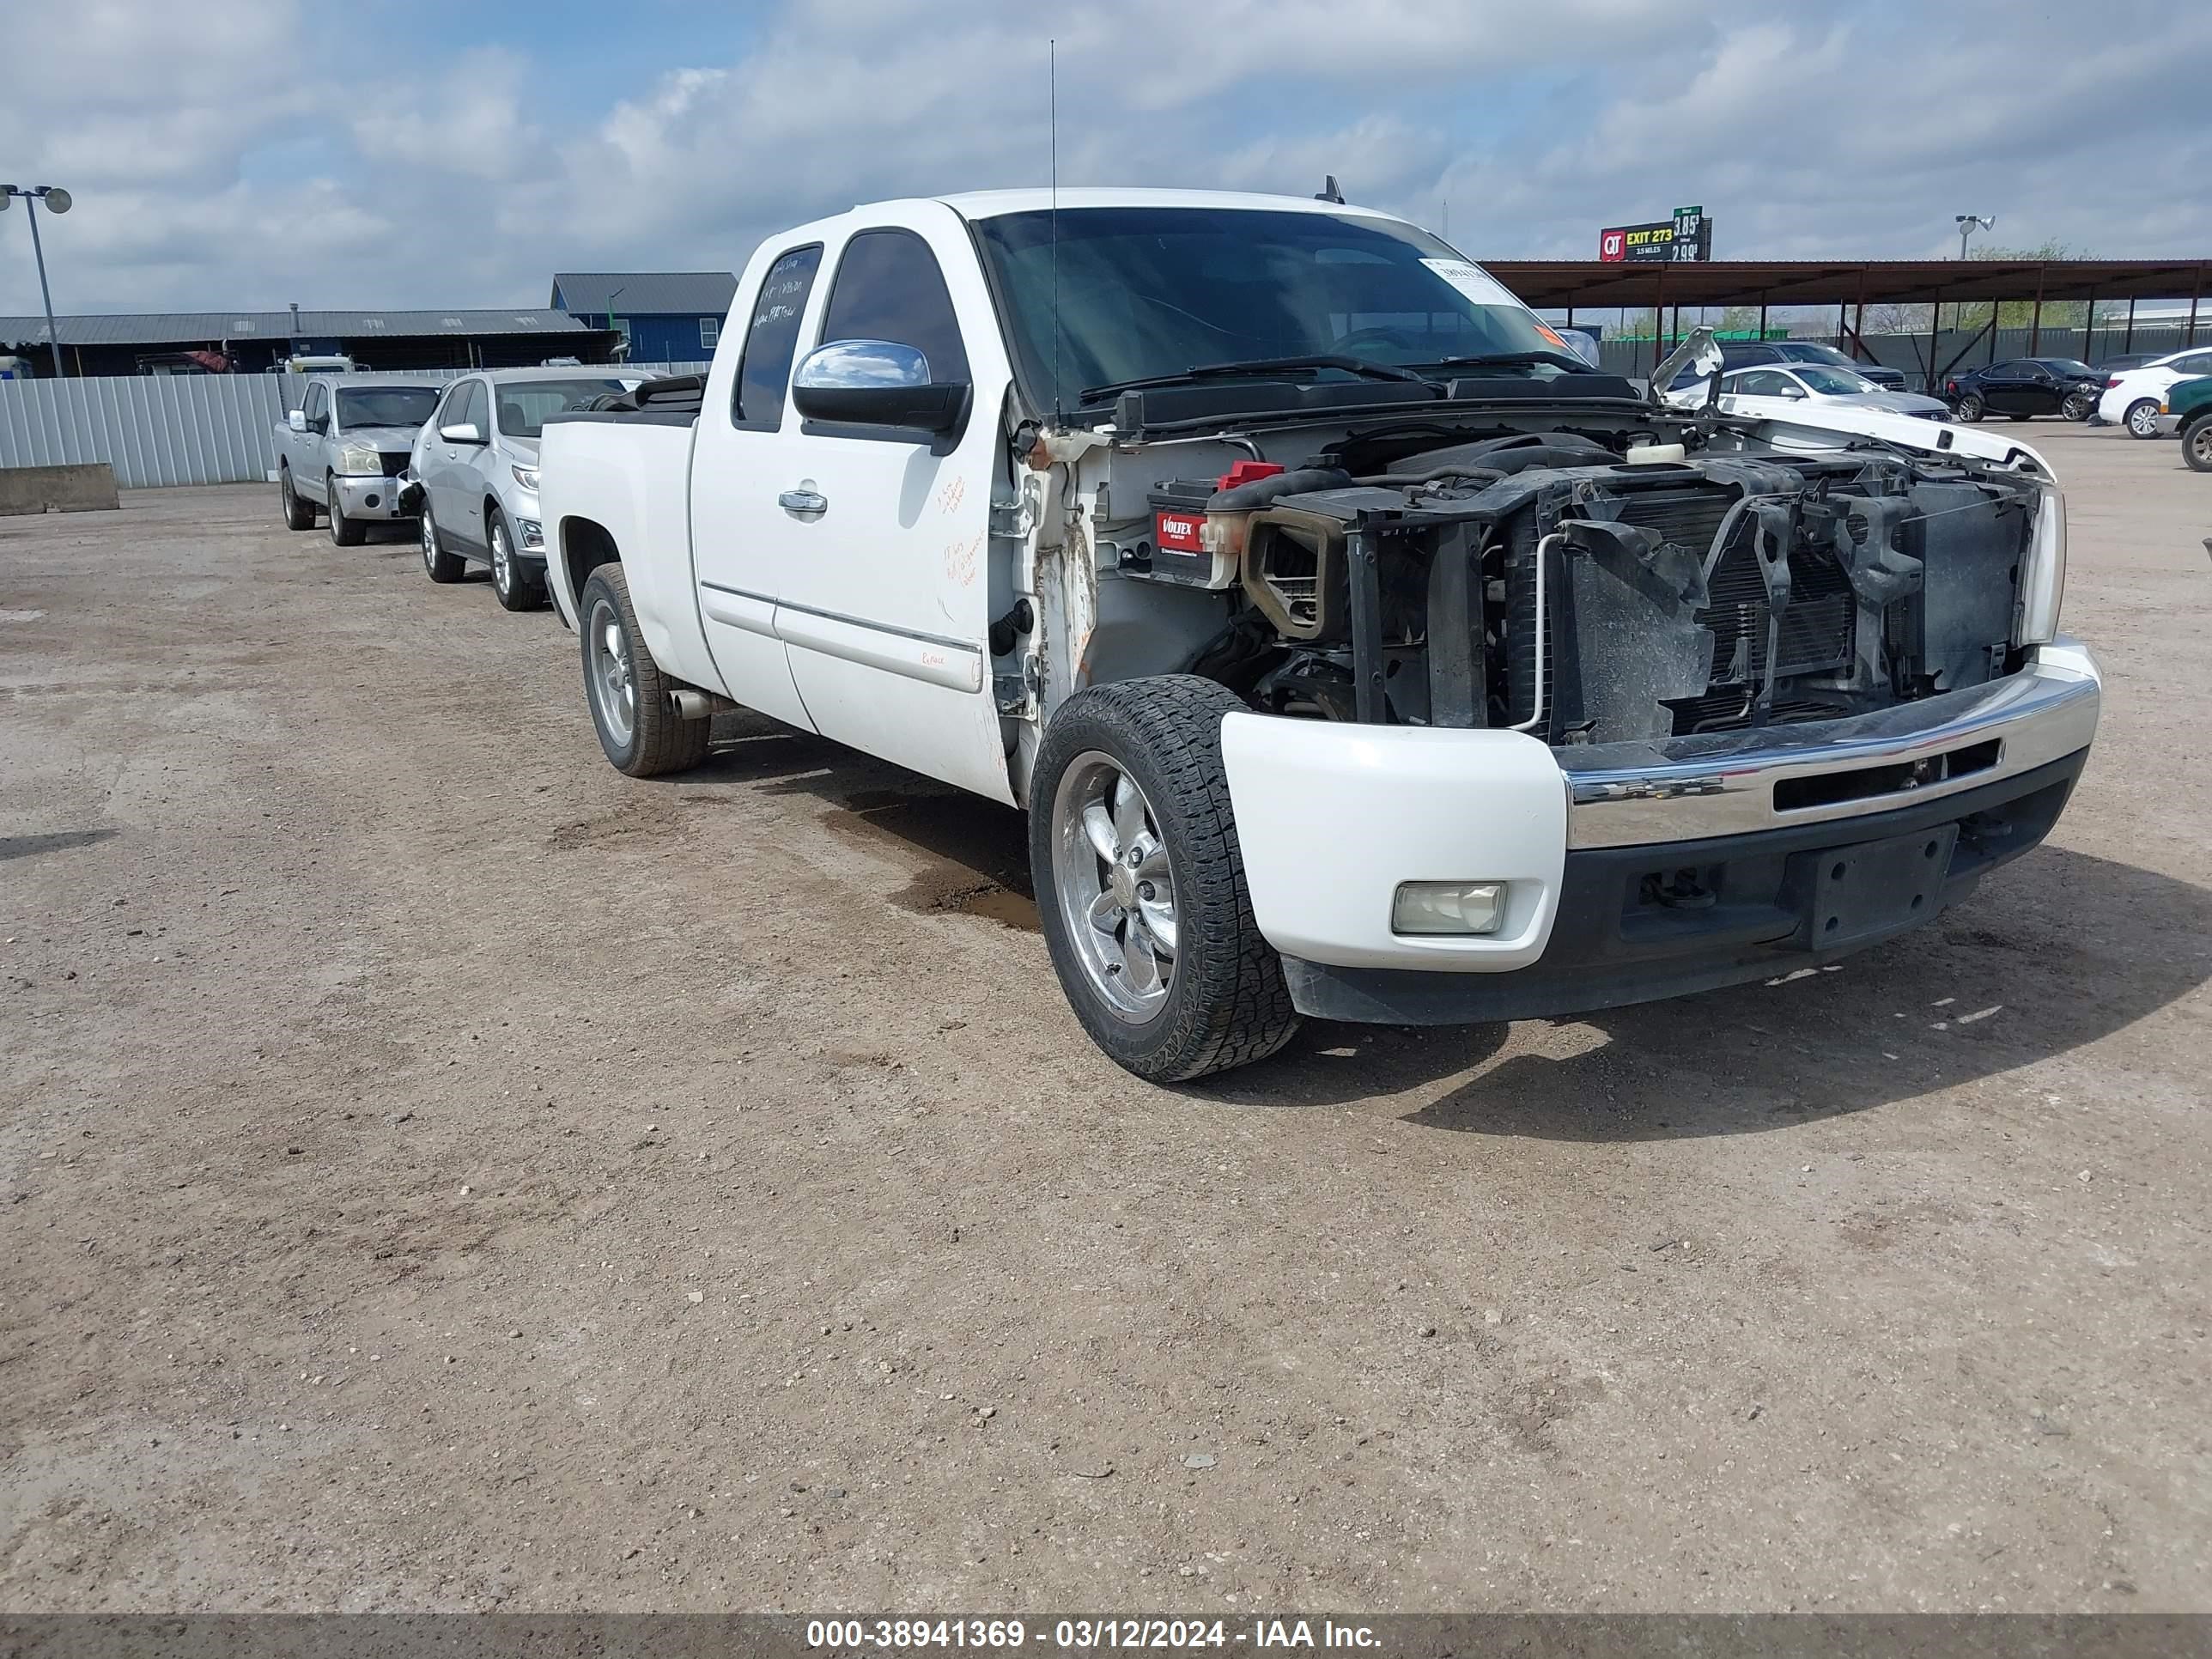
(614, 680)
(429, 539)
(502, 564)
(1116, 891)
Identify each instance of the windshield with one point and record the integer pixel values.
(1835, 382)
(386, 405)
(524, 404)
(2065, 366)
(1156, 291)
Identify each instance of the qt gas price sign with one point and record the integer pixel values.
(1688, 236)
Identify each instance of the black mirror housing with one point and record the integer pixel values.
(934, 409)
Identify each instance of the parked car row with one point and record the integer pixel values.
(461, 461)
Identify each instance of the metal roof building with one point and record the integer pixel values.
(667, 316)
(130, 343)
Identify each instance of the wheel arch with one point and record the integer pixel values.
(584, 545)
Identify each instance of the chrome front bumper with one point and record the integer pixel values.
(1734, 783)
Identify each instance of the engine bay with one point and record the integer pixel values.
(1585, 585)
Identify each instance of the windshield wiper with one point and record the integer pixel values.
(1358, 366)
(1512, 360)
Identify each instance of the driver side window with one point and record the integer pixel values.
(888, 286)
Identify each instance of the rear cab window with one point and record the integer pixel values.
(772, 340)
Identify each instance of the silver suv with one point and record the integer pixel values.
(344, 449)
(474, 474)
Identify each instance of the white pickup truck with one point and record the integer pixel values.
(1358, 650)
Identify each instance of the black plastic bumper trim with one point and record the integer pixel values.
(1759, 896)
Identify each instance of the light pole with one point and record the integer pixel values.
(1968, 223)
(58, 201)
(624, 347)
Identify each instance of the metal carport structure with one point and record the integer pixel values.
(1852, 285)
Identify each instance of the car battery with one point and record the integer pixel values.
(1187, 548)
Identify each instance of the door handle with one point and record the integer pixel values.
(803, 501)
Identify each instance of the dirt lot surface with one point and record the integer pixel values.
(438, 1172)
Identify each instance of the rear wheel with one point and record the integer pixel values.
(2196, 444)
(517, 587)
(1971, 408)
(2142, 418)
(637, 723)
(1141, 882)
(346, 533)
(441, 566)
(298, 515)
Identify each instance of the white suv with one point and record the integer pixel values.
(474, 474)
(2131, 399)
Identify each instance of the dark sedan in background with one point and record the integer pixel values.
(2026, 387)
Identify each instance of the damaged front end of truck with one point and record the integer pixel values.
(1596, 572)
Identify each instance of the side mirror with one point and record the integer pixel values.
(876, 383)
(1584, 345)
(464, 432)
(297, 420)
(1700, 351)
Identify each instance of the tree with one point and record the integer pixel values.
(2020, 313)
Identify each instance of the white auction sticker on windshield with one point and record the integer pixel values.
(1477, 284)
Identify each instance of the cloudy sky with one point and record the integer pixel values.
(248, 153)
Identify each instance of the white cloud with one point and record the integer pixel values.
(211, 170)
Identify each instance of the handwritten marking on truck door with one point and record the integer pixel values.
(963, 559)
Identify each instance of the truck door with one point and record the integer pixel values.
(306, 448)
(734, 463)
(878, 537)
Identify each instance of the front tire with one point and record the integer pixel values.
(2142, 418)
(344, 532)
(639, 727)
(1971, 408)
(440, 565)
(1140, 882)
(511, 583)
(2080, 407)
(2196, 444)
(298, 515)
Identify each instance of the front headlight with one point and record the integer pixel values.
(362, 459)
(2043, 575)
(525, 475)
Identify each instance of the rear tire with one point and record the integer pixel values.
(441, 566)
(2142, 418)
(1971, 408)
(298, 515)
(2196, 444)
(1128, 883)
(639, 727)
(512, 581)
(344, 532)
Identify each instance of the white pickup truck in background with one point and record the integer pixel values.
(1357, 649)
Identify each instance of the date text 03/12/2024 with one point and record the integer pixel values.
(878, 1635)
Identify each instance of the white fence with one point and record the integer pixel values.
(175, 428)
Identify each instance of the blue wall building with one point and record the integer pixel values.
(668, 316)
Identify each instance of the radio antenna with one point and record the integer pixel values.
(1052, 123)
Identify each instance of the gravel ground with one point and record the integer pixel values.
(438, 1172)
